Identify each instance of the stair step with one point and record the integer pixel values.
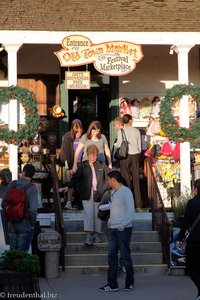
(78, 216)
(139, 236)
(71, 225)
(103, 247)
(98, 270)
(146, 249)
(101, 258)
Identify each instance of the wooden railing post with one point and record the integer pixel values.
(160, 221)
(59, 222)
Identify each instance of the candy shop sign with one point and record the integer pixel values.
(115, 58)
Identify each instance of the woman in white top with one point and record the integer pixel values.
(95, 137)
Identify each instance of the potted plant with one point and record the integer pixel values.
(18, 272)
(179, 209)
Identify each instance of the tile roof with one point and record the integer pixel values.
(93, 15)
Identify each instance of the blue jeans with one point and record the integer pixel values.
(119, 240)
(21, 241)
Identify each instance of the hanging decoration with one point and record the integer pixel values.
(169, 123)
(56, 111)
(167, 172)
(29, 129)
(4, 152)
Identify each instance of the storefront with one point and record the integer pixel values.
(29, 60)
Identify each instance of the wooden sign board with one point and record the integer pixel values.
(49, 241)
(77, 80)
(113, 58)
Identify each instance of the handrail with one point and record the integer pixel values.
(160, 221)
(59, 222)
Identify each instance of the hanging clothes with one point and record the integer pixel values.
(171, 149)
(166, 149)
(176, 151)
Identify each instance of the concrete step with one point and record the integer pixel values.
(154, 247)
(142, 220)
(99, 259)
(96, 270)
(137, 236)
(146, 248)
(71, 225)
(78, 216)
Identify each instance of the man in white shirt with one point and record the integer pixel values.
(119, 232)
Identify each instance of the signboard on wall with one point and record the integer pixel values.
(115, 58)
(49, 241)
(77, 80)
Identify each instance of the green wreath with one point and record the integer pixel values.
(30, 128)
(167, 121)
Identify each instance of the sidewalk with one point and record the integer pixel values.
(85, 287)
(151, 287)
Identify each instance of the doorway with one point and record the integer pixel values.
(90, 105)
(101, 102)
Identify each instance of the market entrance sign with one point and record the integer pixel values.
(116, 58)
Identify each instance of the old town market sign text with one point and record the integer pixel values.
(115, 58)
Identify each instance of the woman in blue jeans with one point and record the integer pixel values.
(119, 232)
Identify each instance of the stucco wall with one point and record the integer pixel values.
(156, 71)
(38, 59)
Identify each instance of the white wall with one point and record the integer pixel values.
(38, 59)
(156, 71)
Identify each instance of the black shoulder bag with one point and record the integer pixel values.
(103, 209)
(122, 151)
